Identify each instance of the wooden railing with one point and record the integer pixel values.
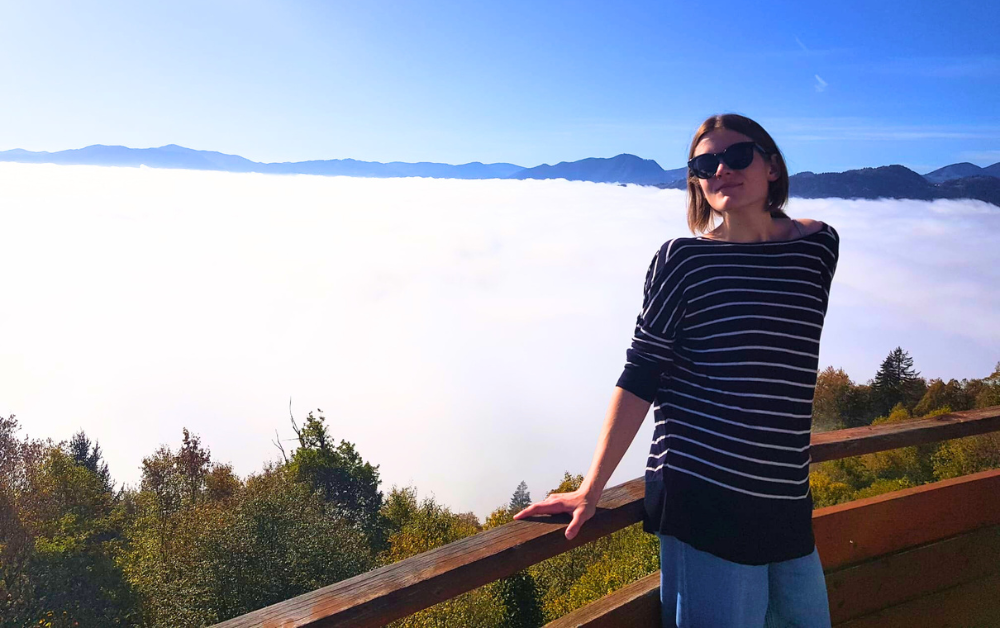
(846, 535)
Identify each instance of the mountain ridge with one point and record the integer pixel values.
(961, 180)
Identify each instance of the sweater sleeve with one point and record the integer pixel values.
(652, 349)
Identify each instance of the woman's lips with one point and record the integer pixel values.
(726, 187)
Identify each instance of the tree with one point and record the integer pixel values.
(521, 498)
(588, 572)
(90, 458)
(896, 382)
(56, 543)
(419, 526)
(518, 592)
(221, 483)
(988, 394)
(830, 400)
(193, 463)
(340, 474)
(939, 394)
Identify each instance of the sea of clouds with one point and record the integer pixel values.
(465, 335)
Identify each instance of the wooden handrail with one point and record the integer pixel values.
(405, 587)
(876, 552)
(872, 438)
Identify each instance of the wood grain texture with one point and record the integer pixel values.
(871, 438)
(930, 563)
(636, 604)
(865, 528)
(896, 578)
(405, 587)
(970, 605)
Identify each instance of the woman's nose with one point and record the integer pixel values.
(722, 166)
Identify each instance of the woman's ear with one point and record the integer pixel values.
(773, 170)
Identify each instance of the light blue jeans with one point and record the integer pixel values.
(700, 589)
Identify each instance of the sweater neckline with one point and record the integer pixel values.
(805, 237)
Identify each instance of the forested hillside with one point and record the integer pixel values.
(195, 544)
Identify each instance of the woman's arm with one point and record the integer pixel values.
(625, 415)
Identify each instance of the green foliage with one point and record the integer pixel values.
(830, 400)
(192, 464)
(521, 498)
(839, 403)
(421, 526)
(340, 474)
(568, 484)
(267, 541)
(195, 544)
(91, 458)
(987, 393)
(575, 578)
(963, 456)
(518, 592)
(896, 382)
(826, 491)
(880, 486)
(57, 539)
(521, 602)
(418, 526)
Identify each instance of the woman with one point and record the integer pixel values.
(726, 349)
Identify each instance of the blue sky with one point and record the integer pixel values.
(839, 84)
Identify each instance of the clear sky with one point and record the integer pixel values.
(840, 85)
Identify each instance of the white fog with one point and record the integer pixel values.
(465, 335)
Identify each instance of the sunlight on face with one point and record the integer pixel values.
(734, 190)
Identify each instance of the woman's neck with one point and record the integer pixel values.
(760, 227)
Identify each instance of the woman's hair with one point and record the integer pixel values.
(700, 213)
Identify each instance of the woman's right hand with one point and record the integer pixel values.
(579, 503)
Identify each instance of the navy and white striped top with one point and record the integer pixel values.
(726, 348)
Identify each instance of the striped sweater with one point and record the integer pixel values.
(726, 348)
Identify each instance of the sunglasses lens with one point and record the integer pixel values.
(738, 156)
(704, 166)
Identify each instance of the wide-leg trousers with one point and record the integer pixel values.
(699, 589)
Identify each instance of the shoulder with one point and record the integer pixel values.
(665, 257)
(809, 226)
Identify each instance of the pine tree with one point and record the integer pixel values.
(521, 498)
(91, 458)
(897, 382)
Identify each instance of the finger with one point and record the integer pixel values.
(574, 526)
(542, 508)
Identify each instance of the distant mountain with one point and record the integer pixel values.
(173, 156)
(962, 180)
(964, 169)
(884, 182)
(993, 171)
(622, 168)
(892, 182)
(981, 188)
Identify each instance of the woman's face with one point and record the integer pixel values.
(731, 190)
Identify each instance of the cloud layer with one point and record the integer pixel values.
(466, 335)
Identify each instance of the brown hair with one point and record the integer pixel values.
(700, 213)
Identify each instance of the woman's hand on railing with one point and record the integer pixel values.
(579, 503)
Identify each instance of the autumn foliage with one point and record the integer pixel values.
(194, 543)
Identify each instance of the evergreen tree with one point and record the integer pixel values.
(896, 382)
(521, 600)
(90, 458)
(521, 498)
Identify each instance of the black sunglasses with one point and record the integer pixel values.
(738, 156)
